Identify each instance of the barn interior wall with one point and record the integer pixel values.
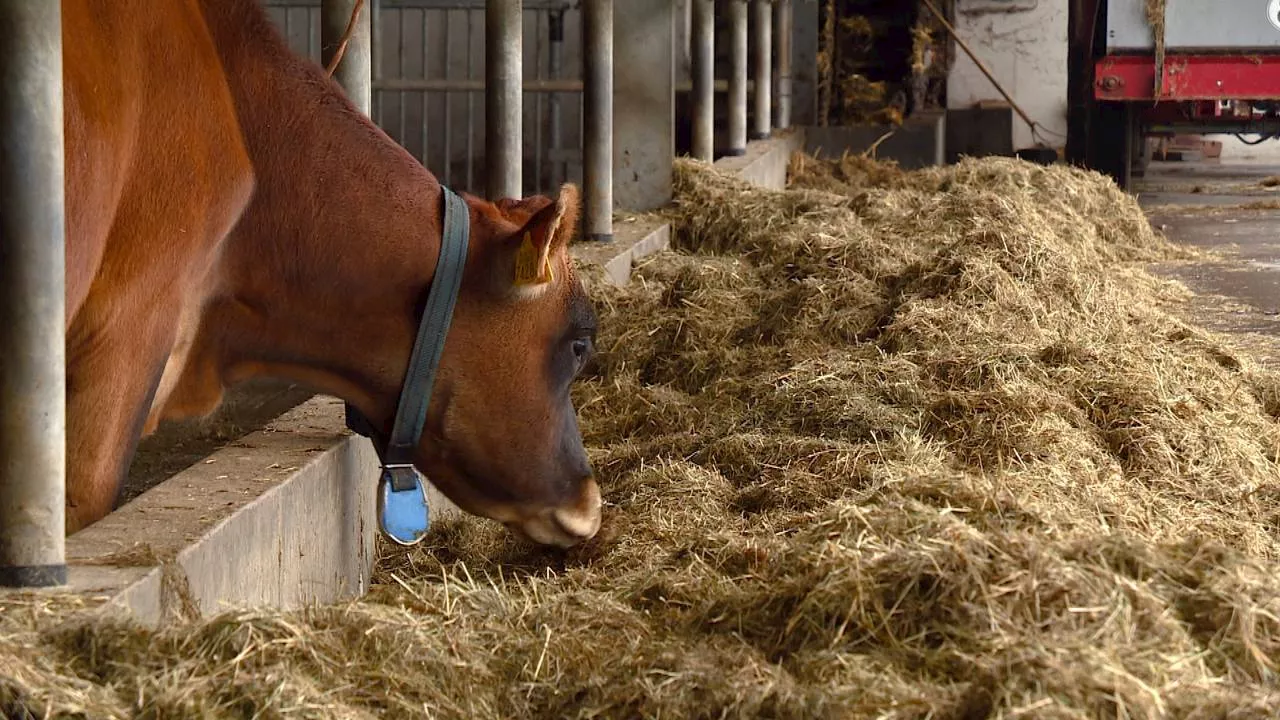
(1024, 45)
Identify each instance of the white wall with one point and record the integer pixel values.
(1024, 45)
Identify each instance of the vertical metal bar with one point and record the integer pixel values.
(555, 20)
(354, 72)
(402, 97)
(597, 97)
(503, 89)
(471, 107)
(539, 171)
(763, 22)
(32, 298)
(783, 31)
(737, 144)
(313, 33)
(425, 124)
(582, 131)
(686, 44)
(704, 76)
(448, 106)
(375, 50)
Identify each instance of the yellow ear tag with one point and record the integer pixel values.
(531, 269)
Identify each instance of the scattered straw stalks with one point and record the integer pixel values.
(1155, 11)
(930, 445)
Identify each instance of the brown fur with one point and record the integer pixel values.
(191, 118)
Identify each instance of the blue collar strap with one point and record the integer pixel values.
(403, 513)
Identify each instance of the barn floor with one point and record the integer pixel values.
(1231, 209)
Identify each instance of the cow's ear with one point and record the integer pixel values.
(540, 244)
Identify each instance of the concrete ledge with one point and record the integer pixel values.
(632, 240)
(283, 517)
(765, 162)
(286, 516)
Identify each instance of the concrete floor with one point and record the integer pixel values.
(1226, 208)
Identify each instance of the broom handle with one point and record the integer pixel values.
(956, 36)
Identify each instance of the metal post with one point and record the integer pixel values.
(503, 36)
(783, 31)
(763, 22)
(704, 97)
(737, 144)
(555, 68)
(355, 71)
(597, 99)
(33, 431)
(685, 46)
(375, 63)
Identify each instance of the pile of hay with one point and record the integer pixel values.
(929, 448)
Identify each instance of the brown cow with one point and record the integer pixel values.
(232, 215)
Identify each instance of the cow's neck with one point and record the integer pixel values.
(340, 239)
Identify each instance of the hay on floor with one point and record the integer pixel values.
(932, 446)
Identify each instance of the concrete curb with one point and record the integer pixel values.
(285, 517)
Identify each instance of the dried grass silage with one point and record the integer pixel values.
(926, 448)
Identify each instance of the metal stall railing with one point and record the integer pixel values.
(429, 84)
(32, 298)
(429, 81)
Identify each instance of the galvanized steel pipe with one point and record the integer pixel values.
(782, 93)
(703, 71)
(32, 297)
(355, 70)
(763, 21)
(555, 21)
(737, 144)
(503, 38)
(597, 99)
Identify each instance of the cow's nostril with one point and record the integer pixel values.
(577, 524)
(581, 519)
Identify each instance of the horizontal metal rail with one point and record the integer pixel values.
(549, 85)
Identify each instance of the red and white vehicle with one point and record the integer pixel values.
(1218, 72)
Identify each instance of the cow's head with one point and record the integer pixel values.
(502, 438)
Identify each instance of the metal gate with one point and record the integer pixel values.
(428, 83)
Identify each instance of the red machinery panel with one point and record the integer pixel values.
(1188, 77)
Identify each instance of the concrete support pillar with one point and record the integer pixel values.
(33, 432)
(504, 86)
(737, 144)
(762, 20)
(684, 39)
(597, 99)
(644, 103)
(704, 76)
(782, 39)
(355, 71)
